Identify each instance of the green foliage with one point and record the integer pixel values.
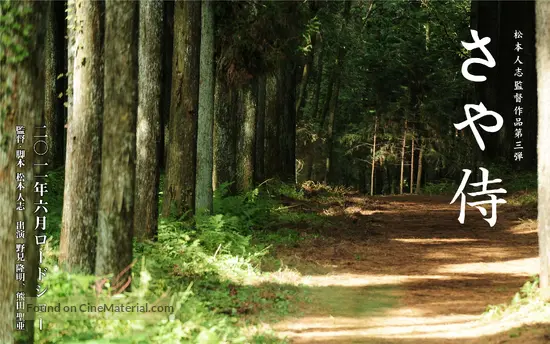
(312, 188)
(207, 268)
(525, 302)
(55, 204)
(282, 237)
(252, 210)
(15, 30)
(402, 62)
(524, 199)
(443, 187)
(277, 189)
(190, 321)
(252, 37)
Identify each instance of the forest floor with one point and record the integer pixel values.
(402, 269)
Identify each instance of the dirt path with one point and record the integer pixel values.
(404, 270)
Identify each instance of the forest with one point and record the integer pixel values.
(253, 171)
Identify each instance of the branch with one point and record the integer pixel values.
(368, 13)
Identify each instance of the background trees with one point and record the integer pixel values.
(149, 121)
(359, 93)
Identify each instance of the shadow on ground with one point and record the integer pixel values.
(404, 270)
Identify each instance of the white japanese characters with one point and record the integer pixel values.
(483, 184)
(489, 62)
(518, 98)
(471, 122)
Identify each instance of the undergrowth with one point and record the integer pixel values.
(442, 187)
(526, 303)
(206, 268)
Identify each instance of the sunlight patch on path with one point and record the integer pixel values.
(359, 280)
(343, 329)
(436, 240)
(526, 266)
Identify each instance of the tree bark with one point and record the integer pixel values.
(318, 74)
(330, 129)
(328, 99)
(10, 119)
(148, 139)
(225, 136)
(53, 109)
(272, 128)
(403, 158)
(306, 71)
(83, 158)
(259, 162)
(419, 172)
(308, 161)
(20, 99)
(334, 92)
(71, 23)
(373, 157)
(412, 165)
(203, 198)
(116, 206)
(22, 102)
(166, 91)
(288, 124)
(247, 134)
(179, 194)
(318, 64)
(543, 84)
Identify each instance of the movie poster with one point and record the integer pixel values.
(254, 171)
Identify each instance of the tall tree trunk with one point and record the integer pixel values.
(247, 134)
(419, 172)
(308, 163)
(412, 165)
(53, 110)
(22, 104)
(543, 83)
(116, 206)
(83, 159)
(259, 161)
(332, 101)
(166, 91)
(288, 124)
(25, 100)
(403, 159)
(71, 22)
(272, 128)
(328, 98)
(330, 129)
(148, 139)
(8, 196)
(203, 198)
(373, 157)
(318, 64)
(11, 118)
(225, 136)
(315, 115)
(306, 71)
(179, 194)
